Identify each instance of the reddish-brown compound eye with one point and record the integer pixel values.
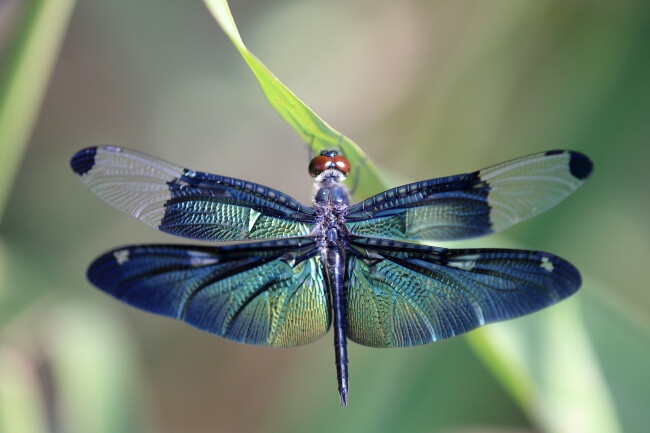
(319, 164)
(342, 164)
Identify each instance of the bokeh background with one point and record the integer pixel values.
(426, 89)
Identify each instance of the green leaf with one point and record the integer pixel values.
(312, 129)
(23, 80)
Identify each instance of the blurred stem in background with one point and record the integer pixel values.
(42, 387)
(29, 60)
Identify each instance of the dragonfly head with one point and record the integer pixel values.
(329, 162)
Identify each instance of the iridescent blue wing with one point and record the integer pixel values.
(473, 204)
(189, 203)
(269, 293)
(402, 294)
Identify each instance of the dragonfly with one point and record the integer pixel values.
(364, 268)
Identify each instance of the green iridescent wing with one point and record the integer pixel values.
(472, 204)
(189, 203)
(401, 294)
(270, 293)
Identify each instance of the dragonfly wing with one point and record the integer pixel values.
(403, 294)
(269, 293)
(473, 204)
(189, 203)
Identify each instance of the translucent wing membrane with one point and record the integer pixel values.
(188, 203)
(473, 204)
(402, 294)
(270, 293)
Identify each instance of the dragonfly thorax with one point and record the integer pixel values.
(331, 194)
(331, 202)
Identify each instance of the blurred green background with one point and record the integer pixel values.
(427, 89)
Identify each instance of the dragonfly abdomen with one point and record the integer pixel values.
(335, 270)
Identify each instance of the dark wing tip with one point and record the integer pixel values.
(101, 272)
(566, 275)
(580, 165)
(83, 161)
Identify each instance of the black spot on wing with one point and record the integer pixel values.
(580, 165)
(83, 161)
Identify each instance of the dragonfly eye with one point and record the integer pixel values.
(342, 164)
(319, 164)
